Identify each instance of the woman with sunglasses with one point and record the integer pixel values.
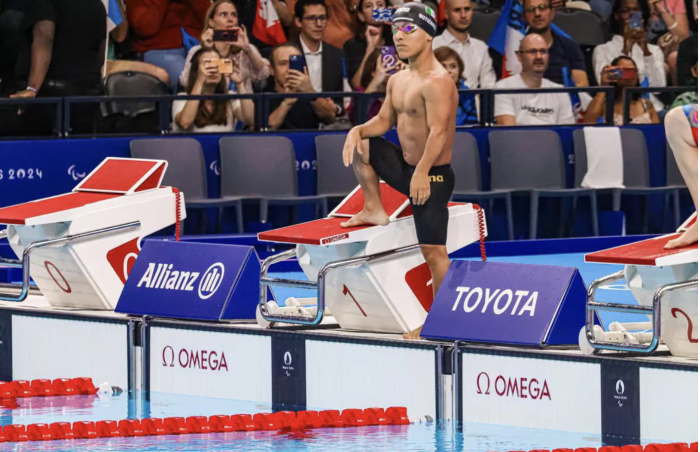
(422, 103)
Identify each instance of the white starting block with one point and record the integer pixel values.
(83, 244)
(372, 278)
(653, 274)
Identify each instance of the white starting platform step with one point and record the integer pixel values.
(664, 283)
(371, 278)
(83, 244)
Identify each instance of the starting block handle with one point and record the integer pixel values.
(24, 287)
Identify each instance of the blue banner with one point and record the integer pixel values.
(188, 280)
(509, 304)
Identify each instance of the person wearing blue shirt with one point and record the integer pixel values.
(466, 109)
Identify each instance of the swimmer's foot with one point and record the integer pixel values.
(372, 217)
(415, 334)
(689, 237)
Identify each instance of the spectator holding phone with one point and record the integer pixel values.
(223, 34)
(371, 33)
(295, 113)
(157, 30)
(630, 39)
(374, 78)
(532, 109)
(621, 73)
(477, 65)
(466, 109)
(668, 24)
(209, 74)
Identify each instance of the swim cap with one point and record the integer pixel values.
(418, 14)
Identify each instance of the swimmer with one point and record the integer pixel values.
(682, 134)
(422, 102)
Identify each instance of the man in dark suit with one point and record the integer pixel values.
(324, 61)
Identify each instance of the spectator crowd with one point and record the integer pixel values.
(225, 48)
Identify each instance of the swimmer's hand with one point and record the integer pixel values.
(420, 188)
(352, 142)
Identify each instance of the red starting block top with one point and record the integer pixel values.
(124, 176)
(19, 213)
(317, 232)
(647, 252)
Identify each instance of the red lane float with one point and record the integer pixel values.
(47, 388)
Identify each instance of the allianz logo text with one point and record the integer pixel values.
(498, 300)
(162, 276)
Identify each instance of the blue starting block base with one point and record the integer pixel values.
(520, 304)
(189, 280)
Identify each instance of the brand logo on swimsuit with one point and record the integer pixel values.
(438, 178)
(335, 238)
(499, 301)
(620, 390)
(194, 359)
(164, 277)
(519, 387)
(287, 368)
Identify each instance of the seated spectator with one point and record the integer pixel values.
(369, 36)
(294, 113)
(62, 56)
(687, 72)
(248, 11)
(641, 111)
(157, 31)
(668, 24)
(374, 78)
(340, 21)
(477, 65)
(223, 15)
(564, 53)
(466, 109)
(532, 109)
(211, 115)
(648, 58)
(324, 61)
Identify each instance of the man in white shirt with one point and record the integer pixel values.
(532, 109)
(323, 61)
(478, 67)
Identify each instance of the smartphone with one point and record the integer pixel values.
(297, 63)
(389, 57)
(622, 73)
(382, 14)
(636, 22)
(225, 66)
(225, 35)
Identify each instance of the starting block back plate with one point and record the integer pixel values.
(394, 202)
(124, 176)
(649, 252)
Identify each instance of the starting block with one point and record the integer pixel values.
(664, 282)
(83, 244)
(371, 278)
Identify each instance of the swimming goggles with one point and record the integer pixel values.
(406, 29)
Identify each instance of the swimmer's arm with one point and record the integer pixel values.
(385, 119)
(438, 115)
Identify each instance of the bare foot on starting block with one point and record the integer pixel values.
(415, 334)
(372, 217)
(689, 237)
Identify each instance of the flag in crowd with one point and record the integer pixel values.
(267, 27)
(114, 14)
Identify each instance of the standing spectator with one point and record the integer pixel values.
(369, 36)
(564, 53)
(632, 43)
(11, 41)
(63, 56)
(157, 30)
(532, 109)
(223, 15)
(478, 67)
(211, 115)
(294, 113)
(323, 60)
(466, 109)
(641, 111)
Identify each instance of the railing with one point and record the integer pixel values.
(163, 104)
(629, 92)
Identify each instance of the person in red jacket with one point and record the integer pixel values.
(157, 27)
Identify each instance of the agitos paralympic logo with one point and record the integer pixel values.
(519, 387)
(194, 359)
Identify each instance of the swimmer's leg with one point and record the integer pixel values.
(438, 260)
(373, 212)
(685, 151)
